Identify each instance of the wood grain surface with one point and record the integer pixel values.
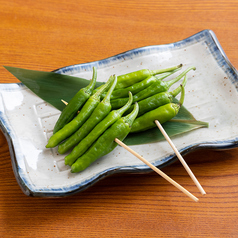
(46, 35)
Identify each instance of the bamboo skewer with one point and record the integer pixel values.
(157, 170)
(63, 101)
(180, 157)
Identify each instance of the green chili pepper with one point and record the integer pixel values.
(156, 87)
(75, 103)
(162, 114)
(157, 100)
(126, 80)
(137, 87)
(82, 147)
(101, 111)
(82, 116)
(106, 142)
(129, 79)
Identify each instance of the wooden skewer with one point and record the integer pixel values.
(66, 103)
(63, 101)
(180, 157)
(157, 170)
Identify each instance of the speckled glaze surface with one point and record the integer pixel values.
(211, 96)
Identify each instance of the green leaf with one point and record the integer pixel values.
(172, 128)
(53, 87)
(49, 86)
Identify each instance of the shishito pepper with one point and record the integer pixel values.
(156, 87)
(99, 113)
(158, 99)
(162, 114)
(129, 79)
(75, 103)
(82, 147)
(137, 87)
(82, 116)
(106, 142)
(126, 80)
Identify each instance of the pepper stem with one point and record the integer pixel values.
(132, 116)
(172, 81)
(181, 101)
(104, 87)
(166, 74)
(92, 84)
(176, 91)
(109, 92)
(123, 109)
(159, 71)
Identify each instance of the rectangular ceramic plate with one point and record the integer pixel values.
(211, 96)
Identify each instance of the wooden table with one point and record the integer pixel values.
(46, 35)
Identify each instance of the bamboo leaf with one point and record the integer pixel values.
(172, 128)
(49, 86)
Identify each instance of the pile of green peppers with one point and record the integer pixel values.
(129, 103)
